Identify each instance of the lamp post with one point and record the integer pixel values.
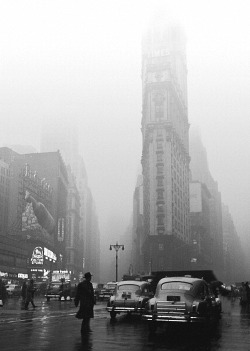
(117, 247)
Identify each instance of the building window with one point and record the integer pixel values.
(160, 194)
(161, 247)
(159, 145)
(160, 157)
(160, 220)
(160, 170)
(160, 208)
(160, 182)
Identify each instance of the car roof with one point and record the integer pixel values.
(132, 282)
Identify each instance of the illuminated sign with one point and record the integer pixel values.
(49, 254)
(3, 274)
(37, 255)
(60, 229)
(22, 275)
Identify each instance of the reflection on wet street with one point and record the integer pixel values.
(53, 326)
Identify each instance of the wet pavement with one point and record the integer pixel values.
(53, 326)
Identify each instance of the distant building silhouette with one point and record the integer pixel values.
(165, 156)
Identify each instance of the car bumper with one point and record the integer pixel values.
(173, 318)
(124, 309)
(102, 297)
(51, 296)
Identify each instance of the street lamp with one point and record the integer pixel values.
(117, 247)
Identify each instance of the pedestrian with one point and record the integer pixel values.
(243, 298)
(3, 293)
(24, 290)
(85, 295)
(248, 293)
(29, 294)
(23, 293)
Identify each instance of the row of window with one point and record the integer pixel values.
(5, 171)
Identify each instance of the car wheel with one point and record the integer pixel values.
(112, 315)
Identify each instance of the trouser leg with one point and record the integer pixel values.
(85, 325)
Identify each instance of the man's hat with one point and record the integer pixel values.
(87, 275)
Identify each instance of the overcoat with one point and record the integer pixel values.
(85, 295)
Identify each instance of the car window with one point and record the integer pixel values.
(176, 286)
(129, 287)
(111, 286)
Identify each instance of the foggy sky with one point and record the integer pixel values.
(81, 61)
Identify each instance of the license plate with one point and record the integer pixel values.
(173, 298)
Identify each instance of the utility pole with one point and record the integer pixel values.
(117, 247)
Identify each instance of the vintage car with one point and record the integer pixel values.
(129, 296)
(107, 291)
(13, 290)
(59, 290)
(182, 299)
(97, 289)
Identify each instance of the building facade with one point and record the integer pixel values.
(200, 172)
(74, 241)
(234, 259)
(137, 228)
(30, 222)
(4, 196)
(165, 156)
(66, 140)
(201, 241)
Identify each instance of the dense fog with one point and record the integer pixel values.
(78, 63)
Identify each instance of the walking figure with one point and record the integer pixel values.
(3, 293)
(23, 293)
(30, 294)
(85, 295)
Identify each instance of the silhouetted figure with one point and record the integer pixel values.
(243, 298)
(248, 292)
(85, 295)
(3, 292)
(30, 294)
(24, 293)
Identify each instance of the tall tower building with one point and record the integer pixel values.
(165, 156)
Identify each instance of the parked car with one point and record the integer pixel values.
(129, 297)
(97, 289)
(107, 291)
(59, 290)
(182, 299)
(13, 290)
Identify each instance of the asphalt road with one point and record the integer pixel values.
(53, 326)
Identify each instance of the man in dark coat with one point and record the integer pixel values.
(3, 293)
(85, 295)
(29, 294)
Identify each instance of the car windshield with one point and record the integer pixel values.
(111, 286)
(129, 287)
(176, 286)
(55, 285)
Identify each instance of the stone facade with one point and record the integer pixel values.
(165, 156)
